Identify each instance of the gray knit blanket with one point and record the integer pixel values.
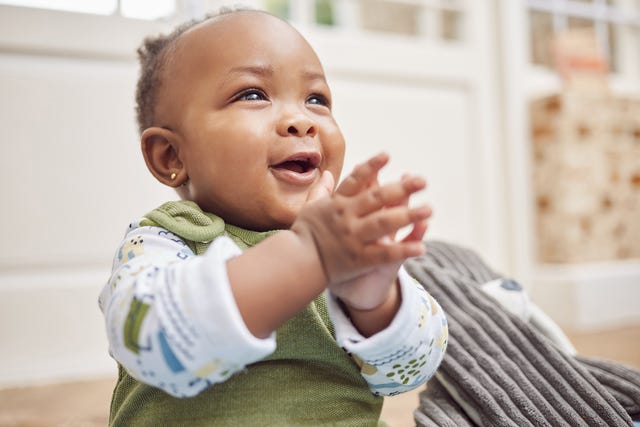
(500, 370)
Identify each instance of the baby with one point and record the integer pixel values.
(264, 296)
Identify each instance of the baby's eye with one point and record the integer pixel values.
(251, 95)
(317, 99)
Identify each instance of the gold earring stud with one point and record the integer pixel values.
(173, 176)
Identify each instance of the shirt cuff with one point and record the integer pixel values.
(390, 338)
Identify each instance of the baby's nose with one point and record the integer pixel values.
(302, 129)
(299, 125)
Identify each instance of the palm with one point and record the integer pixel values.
(368, 290)
(370, 287)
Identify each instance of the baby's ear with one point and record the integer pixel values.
(160, 150)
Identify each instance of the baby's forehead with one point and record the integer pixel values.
(241, 35)
(236, 24)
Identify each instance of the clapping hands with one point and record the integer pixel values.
(353, 231)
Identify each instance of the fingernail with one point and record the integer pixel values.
(382, 158)
(418, 182)
(422, 212)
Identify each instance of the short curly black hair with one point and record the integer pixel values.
(154, 54)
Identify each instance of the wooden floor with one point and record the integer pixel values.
(86, 404)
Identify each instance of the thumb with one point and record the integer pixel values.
(322, 188)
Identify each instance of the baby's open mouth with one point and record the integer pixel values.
(300, 162)
(297, 166)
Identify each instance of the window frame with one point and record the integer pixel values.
(625, 79)
(86, 35)
(302, 13)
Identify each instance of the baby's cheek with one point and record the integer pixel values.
(334, 150)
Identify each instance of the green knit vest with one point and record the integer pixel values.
(308, 381)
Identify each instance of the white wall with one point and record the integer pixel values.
(72, 179)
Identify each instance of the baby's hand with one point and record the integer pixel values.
(372, 289)
(351, 228)
(378, 286)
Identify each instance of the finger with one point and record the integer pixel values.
(417, 231)
(405, 200)
(322, 188)
(363, 175)
(392, 252)
(385, 222)
(388, 195)
(402, 202)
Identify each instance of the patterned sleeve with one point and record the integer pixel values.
(171, 318)
(406, 353)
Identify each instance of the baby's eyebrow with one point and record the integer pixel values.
(313, 75)
(268, 71)
(258, 70)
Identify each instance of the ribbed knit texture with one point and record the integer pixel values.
(499, 370)
(308, 381)
(622, 382)
(199, 228)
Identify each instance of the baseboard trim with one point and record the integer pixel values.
(591, 296)
(51, 328)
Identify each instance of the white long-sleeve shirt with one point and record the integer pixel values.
(172, 321)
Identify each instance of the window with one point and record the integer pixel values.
(436, 19)
(139, 9)
(615, 23)
(147, 9)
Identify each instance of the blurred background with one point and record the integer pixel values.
(524, 116)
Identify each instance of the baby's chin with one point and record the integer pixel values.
(281, 221)
(284, 220)
(279, 224)
(280, 214)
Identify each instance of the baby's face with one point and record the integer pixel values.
(247, 97)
